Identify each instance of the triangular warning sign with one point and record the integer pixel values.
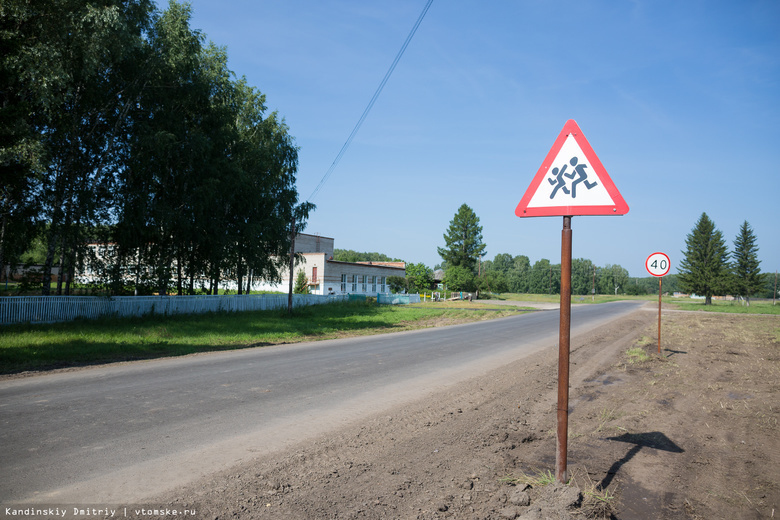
(571, 181)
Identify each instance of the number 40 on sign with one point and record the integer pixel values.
(658, 264)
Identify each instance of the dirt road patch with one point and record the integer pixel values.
(690, 434)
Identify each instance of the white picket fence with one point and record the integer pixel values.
(397, 299)
(52, 309)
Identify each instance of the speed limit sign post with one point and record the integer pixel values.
(658, 265)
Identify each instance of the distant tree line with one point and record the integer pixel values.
(121, 126)
(465, 269)
(348, 255)
(707, 267)
(506, 273)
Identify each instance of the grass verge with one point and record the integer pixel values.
(637, 355)
(596, 502)
(45, 347)
(537, 479)
(734, 307)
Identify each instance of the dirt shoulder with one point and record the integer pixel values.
(690, 434)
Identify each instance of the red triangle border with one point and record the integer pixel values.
(572, 128)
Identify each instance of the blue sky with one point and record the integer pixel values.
(679, 100)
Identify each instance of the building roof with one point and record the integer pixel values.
(385, 265)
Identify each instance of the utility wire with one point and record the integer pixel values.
(371, 103)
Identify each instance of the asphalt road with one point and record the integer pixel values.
(120, 433)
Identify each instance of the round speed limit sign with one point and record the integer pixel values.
(658, 264)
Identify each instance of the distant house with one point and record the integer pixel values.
(438, 278)
(328, 276)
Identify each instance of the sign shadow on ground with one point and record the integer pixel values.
(654, 440)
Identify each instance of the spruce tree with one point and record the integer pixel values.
(301, 283)
(704, 268)
(463, 240)
(747, 275)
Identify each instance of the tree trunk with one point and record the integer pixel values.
(240, 277)
(71, 275)
(46, 276)
(214, 281)
(192, 272)
(61, 265)
(163, 277)
(2, 245)
(178, 275)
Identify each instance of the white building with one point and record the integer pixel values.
(328, 276)
(325, 275)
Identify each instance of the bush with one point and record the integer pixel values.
(458, 278)
(635, 290)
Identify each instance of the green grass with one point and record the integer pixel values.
(539, 478)
(686, 304)
(42, 347)
(756, 307)
(637, 355)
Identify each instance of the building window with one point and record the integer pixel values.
(314, 275)
(382, 285)
(354, 283)
(363, 281)
(343, 283)
(373, 284)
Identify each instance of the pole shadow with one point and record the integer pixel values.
(673, 352)
(655, 440)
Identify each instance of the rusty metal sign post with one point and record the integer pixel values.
(660, 293)
(571, 181)
(564, 334)
(658, 265)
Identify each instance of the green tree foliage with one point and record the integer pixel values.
(704, 268)
(301, 283)
(503, 263)
(169, 158)
(582, 276)
(74, 67)
(544, 278)
(460, 278)
(612, 279)
(397, 284)
(20, 147)
(120, 124)
(463, 240)
(747, 279)
(348, 255)
(769, 289)
(649, 285)
(419, 278)
(492, 281)
(518, 277)
(515, 274)
(635, 288)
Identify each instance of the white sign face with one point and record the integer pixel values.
(658, 264)
(571, 181)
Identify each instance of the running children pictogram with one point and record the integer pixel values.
(571, 181)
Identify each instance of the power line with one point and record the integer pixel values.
(371, 103)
